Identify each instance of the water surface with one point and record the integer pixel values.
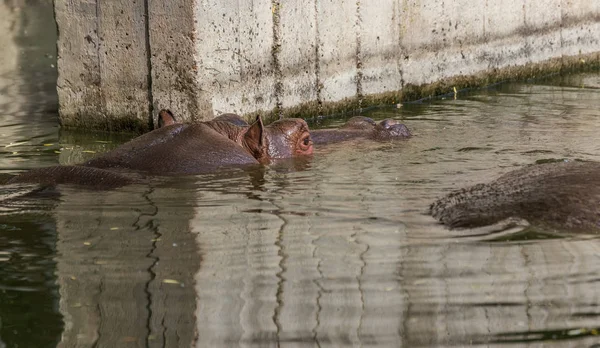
(334, 251)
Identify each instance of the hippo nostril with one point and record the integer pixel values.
(387, 123)
(400, 130)
(390, 129)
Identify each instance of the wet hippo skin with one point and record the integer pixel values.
(180, 149)
(562, 196)
(166, 118)
(358, 127)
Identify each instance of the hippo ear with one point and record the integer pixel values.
(255, 140)
(165, 118)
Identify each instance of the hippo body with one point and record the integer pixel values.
(181, 149)
(232, 118)
(561, 196)
(177, 149)
(358, 127)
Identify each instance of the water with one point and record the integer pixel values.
(335, 251)
(338, 251)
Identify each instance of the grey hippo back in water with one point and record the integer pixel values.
(563, 196)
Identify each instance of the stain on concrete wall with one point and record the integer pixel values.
(102, 64)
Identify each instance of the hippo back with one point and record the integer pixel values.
(557, 195)
(177, 149)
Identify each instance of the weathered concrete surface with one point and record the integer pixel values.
(174, 68)
(103, 71)
(8, 60)
(235, 55)
(122, 60)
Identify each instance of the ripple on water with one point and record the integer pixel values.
(335, 251)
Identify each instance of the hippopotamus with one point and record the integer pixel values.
(357, 127)
(180, 149)
(360, 127)
(166, 118)
(561, 196)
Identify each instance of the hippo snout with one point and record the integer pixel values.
(391, 129)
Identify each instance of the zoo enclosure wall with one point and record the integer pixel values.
(119, 62)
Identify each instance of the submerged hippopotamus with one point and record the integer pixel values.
(177, 149)
(358, 127)
(228, 140)
(562, 196)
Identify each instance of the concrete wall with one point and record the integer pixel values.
(121, 61)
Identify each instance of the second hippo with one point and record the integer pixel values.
(560, 196)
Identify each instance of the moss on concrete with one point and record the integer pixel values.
(411, 92)
(580, 63)
(99, 122)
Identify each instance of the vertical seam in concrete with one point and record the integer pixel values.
(275, 52)
(359, 63)
(560, 31)
(400, 55)
(103, 103)
(318, 82)
(149, 64)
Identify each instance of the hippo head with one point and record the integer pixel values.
(391, 129)
(285, 138)
(387, 129)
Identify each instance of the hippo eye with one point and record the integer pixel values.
(306, 141)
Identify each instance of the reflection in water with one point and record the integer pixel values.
(28, 317)
(126, 269)
(333, 251)
(28, 99)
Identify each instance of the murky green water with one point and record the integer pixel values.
(334, 252)
(337, 252)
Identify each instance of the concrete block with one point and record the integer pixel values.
(235, 42)
(543, 15)
(436, 40)
(580, 39)
(337, 49)
(503, 18)
(123, 60)
(78, 85)
(174, 61)
(202, 58)
(380, 55)
(541, 27)
(298, 53)
(581, 27)
(103, 69)
(257, 66)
